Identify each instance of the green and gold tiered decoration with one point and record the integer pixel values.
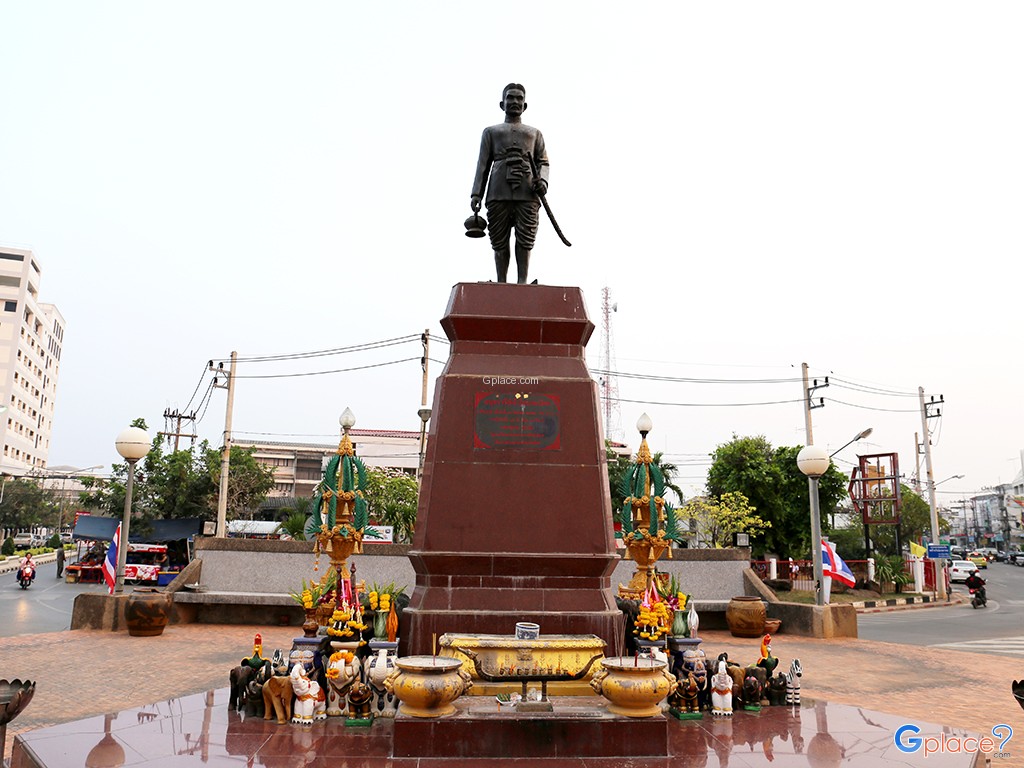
(648, 521)
(339, 514)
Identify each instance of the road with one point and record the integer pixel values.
(43, 607)
(997, 628)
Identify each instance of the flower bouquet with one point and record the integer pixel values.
(382, 601)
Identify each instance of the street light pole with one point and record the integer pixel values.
(133, 444)
(814, 462)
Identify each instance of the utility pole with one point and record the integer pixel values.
(424, 412)
(225, 459)
(930, 410)
(812, 484)
(179, 417)
(917, 463)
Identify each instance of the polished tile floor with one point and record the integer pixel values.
(200, 730)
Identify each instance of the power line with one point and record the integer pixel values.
(872, 408)
(710, 404)
(687, 380)
(323, 373)
(367, 346)
(198, 384)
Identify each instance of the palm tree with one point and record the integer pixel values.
(668, 470)
(294, 525)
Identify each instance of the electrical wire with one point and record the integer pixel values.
(837, 383)
(207, 396)
(871, 408)
(706, 405)
(322, 373)
(687, 380)
(198, 384)
(370, 345)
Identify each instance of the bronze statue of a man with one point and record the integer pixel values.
(513, 168)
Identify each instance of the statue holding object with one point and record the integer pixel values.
(513, 171)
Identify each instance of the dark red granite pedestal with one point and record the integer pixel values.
(514, 521)
(575, 729)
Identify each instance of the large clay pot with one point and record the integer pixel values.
(147, 612)
(426, 686)
(634, 687)
(745, 616)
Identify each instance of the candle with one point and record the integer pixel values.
(435, 649)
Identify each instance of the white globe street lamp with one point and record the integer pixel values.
(814, 462)
(133, 444)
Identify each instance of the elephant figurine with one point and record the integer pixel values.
(239, 680)
(360, 696)
(777, 690)
(343, 669)
(277, 698)
(310, 701)
(377, 669)
(721, 691)
(254, 706)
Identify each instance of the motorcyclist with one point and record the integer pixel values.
(976, 584)
(27, 561)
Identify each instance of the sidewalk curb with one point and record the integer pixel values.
(908, 603)
(11, 565)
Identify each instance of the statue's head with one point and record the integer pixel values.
(513, 99)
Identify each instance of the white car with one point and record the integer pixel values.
(961, 569)
(23, 540)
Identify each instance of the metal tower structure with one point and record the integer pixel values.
(608, 381)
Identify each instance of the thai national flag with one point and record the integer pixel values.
(110, 562)
(832, 565)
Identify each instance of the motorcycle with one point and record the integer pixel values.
(25, 576)
(978, 599)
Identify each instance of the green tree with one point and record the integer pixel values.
(716, 521)
(26, 504)
(618, 467)
(180, 484)
(249, 482)
(294, 525)
(915, 521)
(392, 497)
(773, 484)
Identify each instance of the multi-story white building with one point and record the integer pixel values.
(298, 467)
(31, 337)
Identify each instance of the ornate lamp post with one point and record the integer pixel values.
(648, 522)
(814, 462)
(339, 521)
(133, 444)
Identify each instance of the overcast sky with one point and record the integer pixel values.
(759, 184)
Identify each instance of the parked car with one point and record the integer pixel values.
(961, 569)
(23, 540)
(978, 559)
(39, 540)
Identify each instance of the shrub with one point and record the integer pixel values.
(8, 546)
(54, 541)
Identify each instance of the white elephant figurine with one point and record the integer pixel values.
(378, 667)
(721, 691)
(310, 702)
(342, 670)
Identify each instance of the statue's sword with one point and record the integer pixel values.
(544, 202)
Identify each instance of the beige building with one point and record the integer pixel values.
(298, 467)
(31, 338)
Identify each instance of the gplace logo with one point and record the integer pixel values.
(907, 740)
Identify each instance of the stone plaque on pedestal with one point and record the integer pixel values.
(514, 521)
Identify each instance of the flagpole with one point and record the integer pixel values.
(126, 521)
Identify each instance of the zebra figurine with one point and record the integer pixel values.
(793, 682)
